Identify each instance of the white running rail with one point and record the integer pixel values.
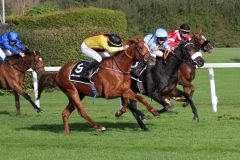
(208, 66)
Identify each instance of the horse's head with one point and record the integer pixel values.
(191, 54)
(140, 51)
(35, 61)
(201, 42)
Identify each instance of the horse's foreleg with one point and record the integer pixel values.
(124, 100)
(193, 107)
(19, 91)
(137, 114)
(179, 93)
(140, 99)
(160, 99)
(17, 103)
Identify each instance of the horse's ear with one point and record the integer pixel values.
(200, 31)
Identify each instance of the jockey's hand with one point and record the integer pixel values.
(126, 46)
(156, 48)
(22, 54)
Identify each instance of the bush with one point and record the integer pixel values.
(70, 18)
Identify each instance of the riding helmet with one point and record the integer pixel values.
(185, 28)
(13, 36)
(115, 40)
(161, 34)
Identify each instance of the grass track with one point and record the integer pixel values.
(173, 136)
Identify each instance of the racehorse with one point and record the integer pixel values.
(161, 79)
(186, 72)
(12, 74)
(112, 80)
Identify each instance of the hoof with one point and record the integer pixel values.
(145, 129)
(158, 116)
(185, 104)
(66, 133)
(118, 114)
(144, 117)
(196, 119)
(39, 110)
(101, 129)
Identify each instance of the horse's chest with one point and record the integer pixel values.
(116, 85)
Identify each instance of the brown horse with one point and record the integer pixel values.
(112, 80)
(12, 74)
(186, 71)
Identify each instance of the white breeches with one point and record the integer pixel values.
(92, 53)
(4, 53)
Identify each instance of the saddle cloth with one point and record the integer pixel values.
(77, 70)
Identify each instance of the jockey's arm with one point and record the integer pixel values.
(20, 46)
(8, 46)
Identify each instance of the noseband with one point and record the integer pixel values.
(184, 54)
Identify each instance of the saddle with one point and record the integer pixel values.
(78, 69)
(76, 75)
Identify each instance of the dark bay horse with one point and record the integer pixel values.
(186, 72)
(12, 74)
(161, 79)
(112, 80)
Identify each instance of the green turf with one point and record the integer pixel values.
(174, 136)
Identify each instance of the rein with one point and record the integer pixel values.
(143, 54)
(120, 70)
(184, 54)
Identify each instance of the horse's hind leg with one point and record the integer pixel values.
(65, 115)
(17, 103)
(74, 96)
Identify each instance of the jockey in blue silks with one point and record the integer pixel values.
(157, 42)
(10, 45)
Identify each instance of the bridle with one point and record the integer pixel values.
(184, 57)
(143, 56)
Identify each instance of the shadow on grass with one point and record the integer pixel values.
(82, 127)
(235, 60)
(4, 113)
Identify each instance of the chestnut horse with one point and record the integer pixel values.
(186, 71)
(12, 74)
(112, 80)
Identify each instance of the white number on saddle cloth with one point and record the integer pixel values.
(79, 68)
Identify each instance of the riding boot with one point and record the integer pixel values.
(139, 69)
(93, 65)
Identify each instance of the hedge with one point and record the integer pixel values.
(70, 18)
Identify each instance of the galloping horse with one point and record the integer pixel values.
(161, 79)
(12, 74)
(186, 72)
(112, 80)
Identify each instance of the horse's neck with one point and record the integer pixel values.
(171, 66)
(122, 61)
(18, 64)
(196, 43)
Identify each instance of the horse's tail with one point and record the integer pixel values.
(48, 79)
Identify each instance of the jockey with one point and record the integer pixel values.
(100, 46)
(10, 45)
(157, 42)
(176, 36)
